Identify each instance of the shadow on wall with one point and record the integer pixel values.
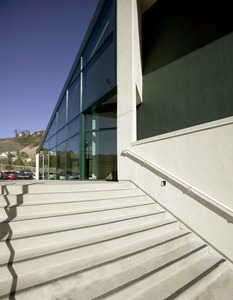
(172, 29)
(6, 233)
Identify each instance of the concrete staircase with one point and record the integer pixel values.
(100, 240)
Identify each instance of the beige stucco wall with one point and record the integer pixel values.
(201, 156)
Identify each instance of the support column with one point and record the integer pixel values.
(129, 77)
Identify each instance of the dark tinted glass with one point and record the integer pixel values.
(101, 32)
(61, 114)
(61, 158)
(74, 99)
(73, 128)
(61, 135)
(73, 146)
(99, 74)
(53, 127)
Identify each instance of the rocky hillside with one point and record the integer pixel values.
(27, 143)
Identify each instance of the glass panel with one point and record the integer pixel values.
(53, 127)
(61, 161)
(73, 128)
(99, 74)
(52, 141)
(74, 99)
(76, 73)
(52, 164)
(46, 163)
(46, 146)
(102, 30)
(73, 150)
(41, 166)
(46, 137)
(61, 114)
(61, 135)
(101, 155)
(104, 116)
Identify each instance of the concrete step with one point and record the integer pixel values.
(51, 198)
(86, 267)
(173, 286)
(130, 283)
(218, 288)
(29, 227)
(162, 243)
(56, 186)
(23, 212)
(67, 239)
(99, 240)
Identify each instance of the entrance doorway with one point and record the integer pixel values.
(100, 140)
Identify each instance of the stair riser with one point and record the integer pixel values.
(35, 246)
(26, 228)
(38, 211)
(32, 199)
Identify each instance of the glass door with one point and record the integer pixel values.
(101, 141)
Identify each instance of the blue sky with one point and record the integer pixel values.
(39, 40)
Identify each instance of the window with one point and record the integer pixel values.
(73, 127)
(101, 32)
(73, 150)
(61, 114)
(74, 99)
(53, 127)
(99, 74)
(61, 161)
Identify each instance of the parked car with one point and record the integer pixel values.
(67, 175)
(10, 175)
(25, 174)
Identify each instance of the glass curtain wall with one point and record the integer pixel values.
(76, 129)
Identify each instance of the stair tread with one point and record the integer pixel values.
(215, 290)
(32, 227)
(135, 263)
(52, 186)
(51, 198)
(171, 286)
(38, 245)
(29, 212)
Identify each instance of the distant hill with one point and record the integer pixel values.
(26, 142)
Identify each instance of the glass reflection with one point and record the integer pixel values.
(61, 161)
(61, 114)
(73, 149)
(99, 74)
(101, 155)
(73, 128)
(102, 30)
(52, 164)
(101, 142)
(74, 99)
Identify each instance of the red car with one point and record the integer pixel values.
(10, 175)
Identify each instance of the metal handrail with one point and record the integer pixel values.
(181, 182)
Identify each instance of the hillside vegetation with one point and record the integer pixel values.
(22, 142)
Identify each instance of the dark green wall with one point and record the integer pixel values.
(187, 51)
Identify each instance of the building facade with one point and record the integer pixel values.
(150, 99)
(80, 141)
